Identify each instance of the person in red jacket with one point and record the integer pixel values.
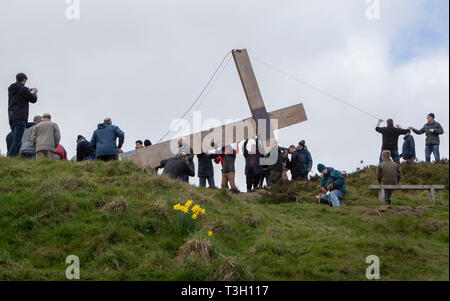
(61, 153)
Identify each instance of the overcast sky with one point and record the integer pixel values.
(142, 63)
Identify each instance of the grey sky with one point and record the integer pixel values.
(143, 62)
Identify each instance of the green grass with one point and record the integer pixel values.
(52, 209)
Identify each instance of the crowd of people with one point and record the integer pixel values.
(41, 139)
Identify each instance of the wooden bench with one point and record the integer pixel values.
(431, 189)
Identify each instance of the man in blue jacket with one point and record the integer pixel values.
(19, 99)
(332, 186)
(409, 147)
(104, 140)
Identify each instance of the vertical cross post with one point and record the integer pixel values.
(254, 99)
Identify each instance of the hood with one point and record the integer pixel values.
(432, 123)
(103, 125)
(30, 124)
(329, 170)
(14, 88)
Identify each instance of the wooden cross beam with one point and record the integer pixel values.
(261, 124)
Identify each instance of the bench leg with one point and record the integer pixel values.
(432, 194)
(382, 195)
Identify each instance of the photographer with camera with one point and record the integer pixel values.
(19, 99)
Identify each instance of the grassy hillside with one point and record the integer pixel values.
(119, 220)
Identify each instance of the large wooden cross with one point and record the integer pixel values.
(261, 124)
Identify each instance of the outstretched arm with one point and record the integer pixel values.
(418, 132)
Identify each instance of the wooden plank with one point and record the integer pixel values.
(407, 187)
(254, 99)
(152, 155)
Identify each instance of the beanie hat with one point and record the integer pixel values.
(80, 137)
(431, 115)
(302, 142)
(321, 167)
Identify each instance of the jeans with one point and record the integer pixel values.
(17, 128)
(28, 155)
(202, 181)
(334, 197)
(432, 149)
(252, 180)
(394, 155)
(185, 178)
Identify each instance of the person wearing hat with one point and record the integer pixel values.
(332, 187)
(84, 149)
(408, 148)
(305, 159)
(432, 130)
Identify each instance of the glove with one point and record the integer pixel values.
(431, 130)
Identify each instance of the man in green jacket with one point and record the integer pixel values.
(332, 187)
(388, 173)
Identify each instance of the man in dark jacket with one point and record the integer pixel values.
(409, 148)
(84, 150)
(390, 138)
(276, 169)
(432, 130)
(332, 186)
(300, 163)
(206, 169)
(305, 159)
(178, 166)
(19, 99)
(104, 140)
(388, 173)
(253, 170)
(183, 147)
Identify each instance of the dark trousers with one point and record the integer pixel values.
(252, 180)
(394, 155)
(202, 181)
(28, 155)
(263, 176)
(17, 128)
(274, 177)
(107, 158)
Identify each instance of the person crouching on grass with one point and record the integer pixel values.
(332, 186)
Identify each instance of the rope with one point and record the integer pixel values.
(212, 85)
(198, 97)
(315, 88)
